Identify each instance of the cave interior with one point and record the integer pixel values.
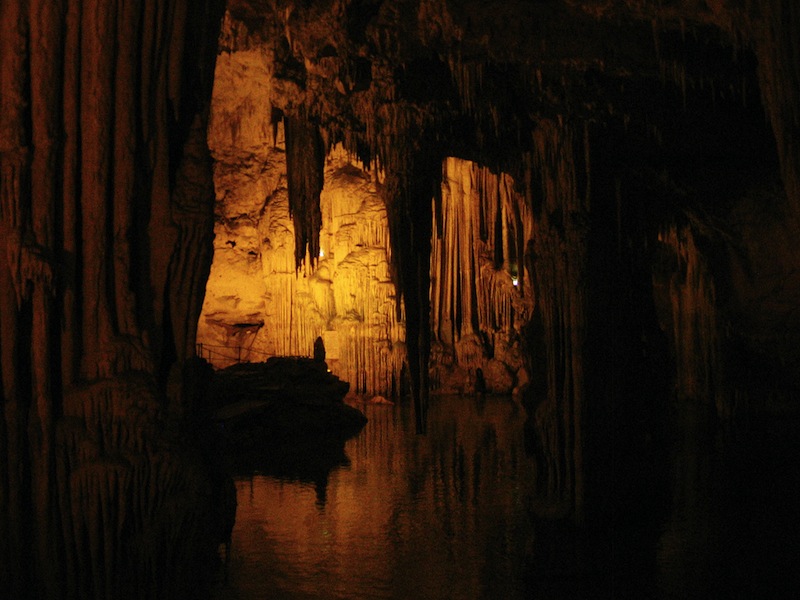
(595, 204)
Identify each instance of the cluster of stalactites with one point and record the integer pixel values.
(482, 226)
(702, 59)
(348, 298)
(123, 486)
(102, 235)
(779, 72)
(765, 33)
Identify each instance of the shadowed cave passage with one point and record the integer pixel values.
(634, 164)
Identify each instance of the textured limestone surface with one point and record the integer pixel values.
(258, 302)
(106, 199)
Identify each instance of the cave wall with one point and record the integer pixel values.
(105, 182)
(258, 304)
(260, 301)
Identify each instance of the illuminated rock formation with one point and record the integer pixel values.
(259, 302)
(480, 297)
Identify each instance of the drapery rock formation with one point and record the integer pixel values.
(260, 301)
(480, 297)
(105, 215)
(634, 164)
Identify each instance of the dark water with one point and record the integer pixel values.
(442, 515)
(733, 528)
(448, 515)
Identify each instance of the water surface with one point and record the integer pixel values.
(441, 515)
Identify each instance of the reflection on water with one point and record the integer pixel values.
(448, 515)
(437, 516)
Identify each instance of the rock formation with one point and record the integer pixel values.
(384, 173)
(106, 194)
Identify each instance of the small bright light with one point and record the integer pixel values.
(514, 280)
(321, 253)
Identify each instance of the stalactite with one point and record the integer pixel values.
(96, 134)
(305, 158)
(558, 262)
(193, 199)
(478, 305)
(122, 481)
(413, 178)
(468, 79)
(124, 168)
(692, 325)
(347, 298)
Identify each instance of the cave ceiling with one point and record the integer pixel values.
(476, 77)
(695, 100)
